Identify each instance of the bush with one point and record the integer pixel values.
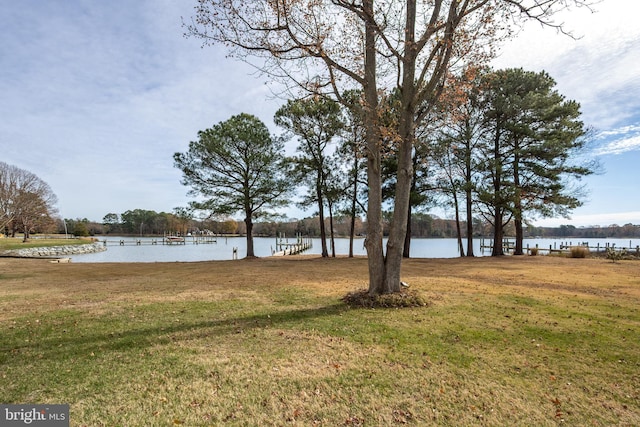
(578, 252)
(80, 229)
(615, 255)
(533, 251)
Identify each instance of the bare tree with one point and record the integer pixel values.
(26, 201)
(328, 46)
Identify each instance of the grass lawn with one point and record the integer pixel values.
(9, 243)
(517, 341)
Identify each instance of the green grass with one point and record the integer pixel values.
(204, 363)
(298, 356)
(9, 243)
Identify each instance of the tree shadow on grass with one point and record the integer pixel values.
(163, 332)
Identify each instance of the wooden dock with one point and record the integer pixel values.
(283, 247)
(166, 240)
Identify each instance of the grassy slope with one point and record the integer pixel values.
(512, 341)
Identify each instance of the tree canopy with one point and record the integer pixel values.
(330, 46)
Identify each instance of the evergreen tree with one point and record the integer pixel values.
(237, 167)
(315, 122)
(535, 136)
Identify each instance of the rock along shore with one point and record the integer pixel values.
(55, 251)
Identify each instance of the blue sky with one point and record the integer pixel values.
(97, 96)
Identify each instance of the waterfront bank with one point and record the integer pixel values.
(55, 251)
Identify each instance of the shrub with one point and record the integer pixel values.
(578, 252)
(533, 251)
(615, 255)
(80, 229)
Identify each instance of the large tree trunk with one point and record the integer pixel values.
(458, 228)
(469, 225)
(519, 250)
(323, 231)
(398, 228)
(331, 234)
(373, 243)
(406, 130)
(406, 252)
(352, 230)
(498, 233)
(249, 224)
(518, 201)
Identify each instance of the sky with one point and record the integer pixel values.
(96, 97)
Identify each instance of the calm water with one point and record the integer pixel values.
(223, 249)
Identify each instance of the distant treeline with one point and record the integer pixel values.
(612, 231)
(141, 222)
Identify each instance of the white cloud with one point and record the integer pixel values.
(620, 146)
(618, 140)
(598, 69)
(622, 130)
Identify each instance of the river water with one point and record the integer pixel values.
(146, 251)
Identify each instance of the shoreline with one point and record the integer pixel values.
(53, 252)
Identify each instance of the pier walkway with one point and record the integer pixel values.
(283, 247)
(166, 240)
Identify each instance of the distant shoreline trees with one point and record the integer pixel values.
(423, 225)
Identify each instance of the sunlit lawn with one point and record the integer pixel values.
(10, 243)
(515, 341)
